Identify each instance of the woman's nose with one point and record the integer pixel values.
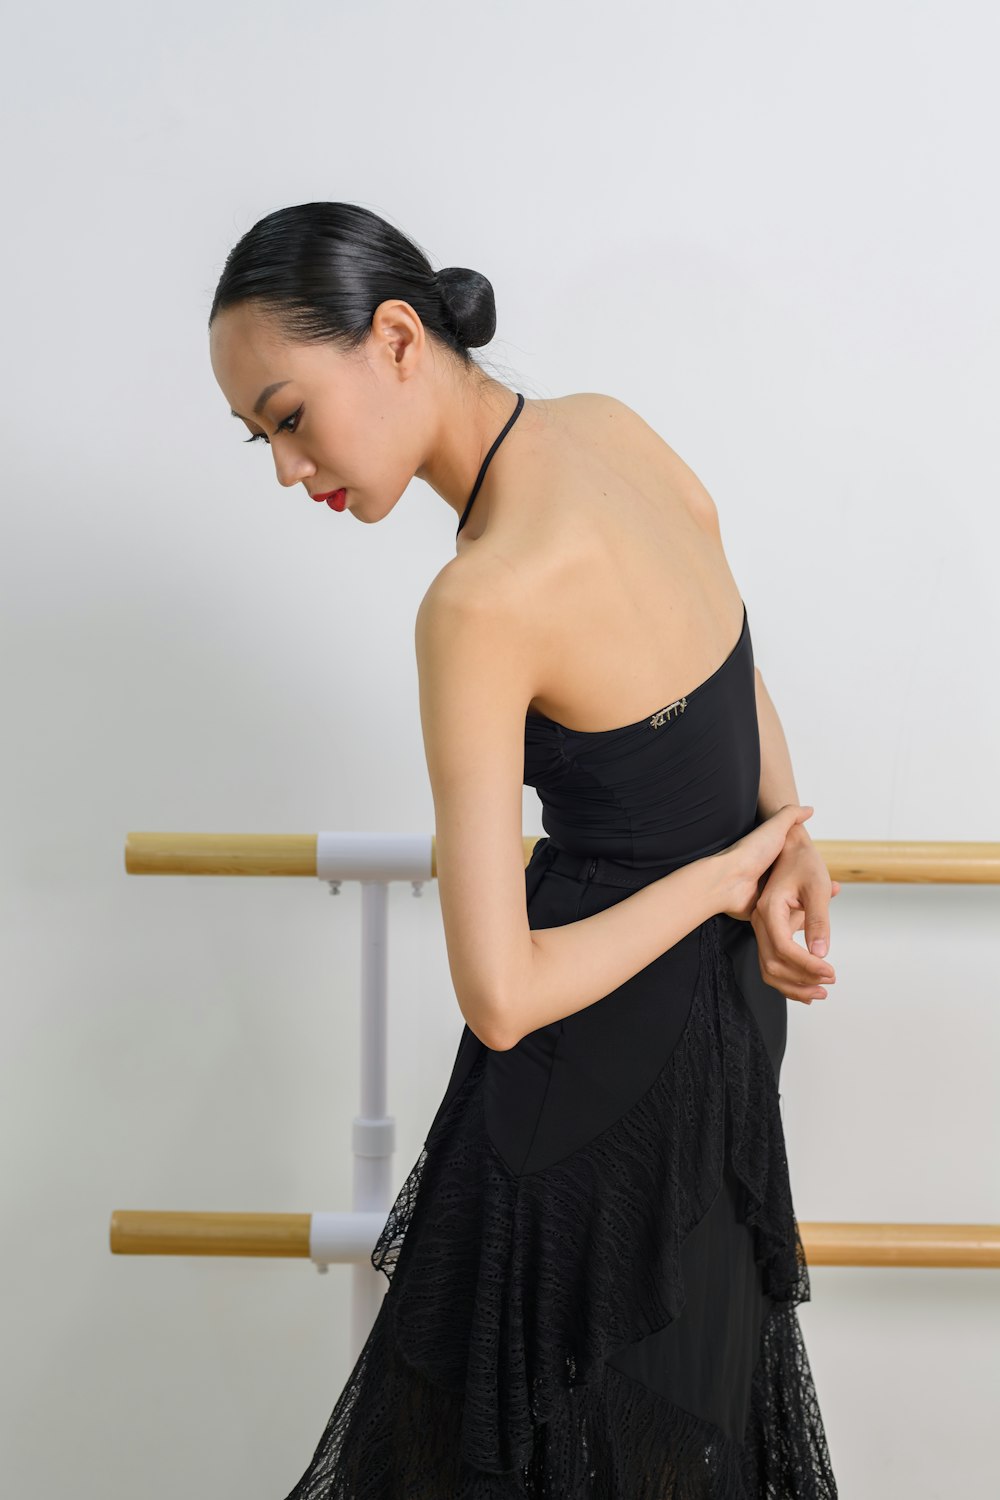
(291, 472)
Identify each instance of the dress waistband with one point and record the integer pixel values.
(597, 868)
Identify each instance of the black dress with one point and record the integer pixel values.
(594, 1264)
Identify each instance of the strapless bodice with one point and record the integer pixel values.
(678, 784)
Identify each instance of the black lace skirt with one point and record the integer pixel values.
(594, 1265)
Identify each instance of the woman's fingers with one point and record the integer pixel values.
(792, 963)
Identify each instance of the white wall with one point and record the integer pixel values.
(773, 229)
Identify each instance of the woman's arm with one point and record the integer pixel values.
(575, 965)
(509, 979)
(798, 888)
(777, 779)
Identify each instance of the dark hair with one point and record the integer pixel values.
(321, 270)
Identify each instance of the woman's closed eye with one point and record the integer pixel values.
(282, 427)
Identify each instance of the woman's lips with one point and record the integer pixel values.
(336, 499)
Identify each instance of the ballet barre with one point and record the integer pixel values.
(346, 1237)
(388, 856)
(375, 859)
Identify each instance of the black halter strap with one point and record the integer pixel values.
(485, 465)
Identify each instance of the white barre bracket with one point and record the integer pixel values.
(373, 856)
(337, 1237)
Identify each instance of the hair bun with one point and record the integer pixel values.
(468, 301)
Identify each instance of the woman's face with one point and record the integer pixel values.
(333, 419)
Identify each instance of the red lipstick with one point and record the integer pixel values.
(336, 499)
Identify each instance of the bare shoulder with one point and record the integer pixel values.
(477, 626)
(604, 419)
(480, 579)
(479, 593)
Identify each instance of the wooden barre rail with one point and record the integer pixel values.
(931, 861)
(142, 1232)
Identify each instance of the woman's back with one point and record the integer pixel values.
(597, 522)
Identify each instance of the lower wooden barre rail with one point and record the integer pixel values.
(845, 1244)
(332, 1236)
(351, 1237)
(934, 861)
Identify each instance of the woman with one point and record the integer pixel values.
(594, 1264)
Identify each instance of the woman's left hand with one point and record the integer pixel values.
(797, 893)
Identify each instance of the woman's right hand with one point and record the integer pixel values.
(743, 866)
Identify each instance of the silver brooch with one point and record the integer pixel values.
(677, 707)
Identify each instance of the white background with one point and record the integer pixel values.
(770, 228)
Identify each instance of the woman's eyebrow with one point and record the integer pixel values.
(262, 399)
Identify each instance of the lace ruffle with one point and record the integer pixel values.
(484, 1376)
